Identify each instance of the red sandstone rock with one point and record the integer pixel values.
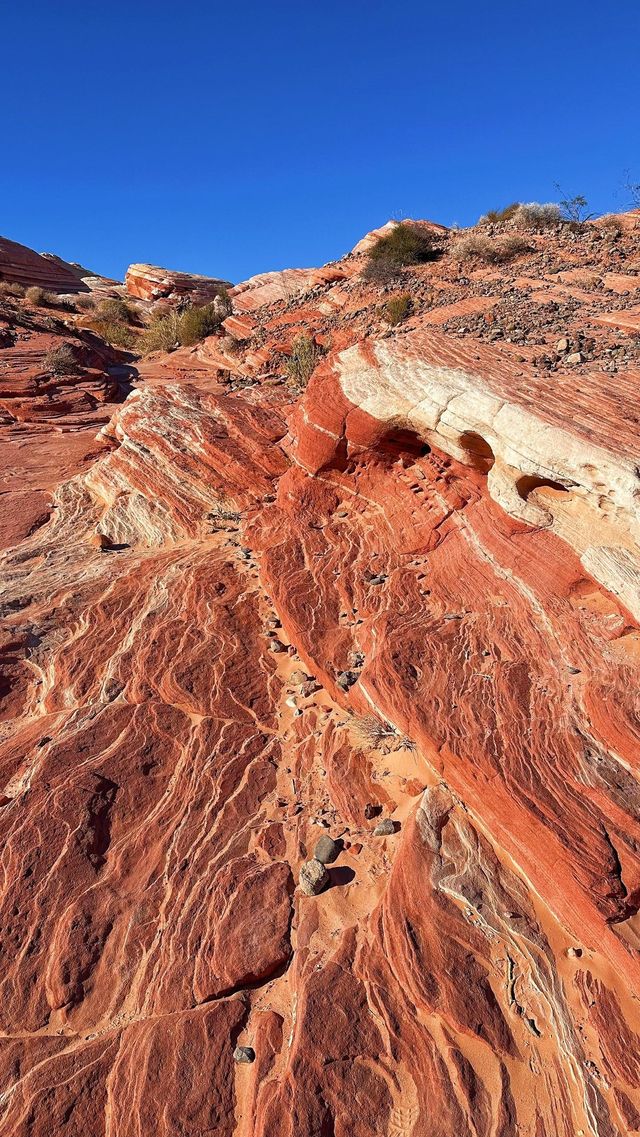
(453, 528)
(269, 287)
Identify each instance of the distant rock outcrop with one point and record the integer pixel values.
(21, 265)
(150, 282)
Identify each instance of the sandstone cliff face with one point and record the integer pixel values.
(257, 615)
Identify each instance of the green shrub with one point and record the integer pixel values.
(115, 333)
(397, 308)
(162, 334)
(302, 361)
(114, 310)
(188, 327)
(573, 209)
(61, 360)
(475, 246)
(198, 323)
(406, 244)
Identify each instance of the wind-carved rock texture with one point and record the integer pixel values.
(436, 535)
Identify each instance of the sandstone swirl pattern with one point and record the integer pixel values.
(476, 974)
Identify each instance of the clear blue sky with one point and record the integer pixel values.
(230, 138)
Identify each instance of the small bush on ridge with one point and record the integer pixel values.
(497, 216)
(533, 215)
(397, 308)
(406, 244)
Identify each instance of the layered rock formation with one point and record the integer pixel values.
(258, 615)
(149, 282)
(21, 265)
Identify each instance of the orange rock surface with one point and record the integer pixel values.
(239, 616)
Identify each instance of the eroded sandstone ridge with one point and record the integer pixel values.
(245, 616)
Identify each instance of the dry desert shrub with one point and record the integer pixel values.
(611, 224)
(489, 250)
(499, 216)
(61, 360)
(115, 333)
(371, 732)
(302, 361)
(187, 327)
(9, 289)
(85, 301)
(116, 311)
(533, 216)
(36, 295)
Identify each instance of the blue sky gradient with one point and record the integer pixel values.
(232, 139)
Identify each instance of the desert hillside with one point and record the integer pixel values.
(319, 700)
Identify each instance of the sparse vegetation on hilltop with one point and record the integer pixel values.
(499, 216)
(406, 244)
(490, 250)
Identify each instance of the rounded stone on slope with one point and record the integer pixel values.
(313, 877)
(326, 849)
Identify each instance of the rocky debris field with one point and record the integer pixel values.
(319, 707)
